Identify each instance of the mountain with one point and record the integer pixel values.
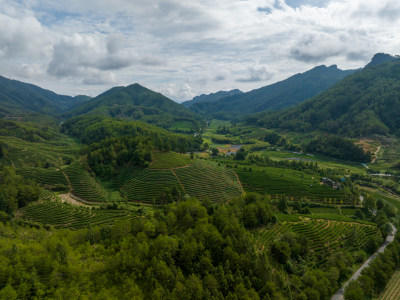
(364, 103)
(211, 97)
(283, 94)
(136, 102)
(379, 58)
(18, 98)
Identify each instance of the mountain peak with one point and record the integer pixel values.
(379, 58)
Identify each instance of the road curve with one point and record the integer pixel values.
(390, 238)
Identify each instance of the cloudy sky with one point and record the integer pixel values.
(186, 48)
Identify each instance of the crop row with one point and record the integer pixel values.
(65, 215)
(324, 235)
(200, 180)
(84, 186)
(392, 290)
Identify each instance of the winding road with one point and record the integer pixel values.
(389, 239)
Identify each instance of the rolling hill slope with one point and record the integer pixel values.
(211, 97)
(283, 94)
(18, 98)
(365, 103)
(136, 102)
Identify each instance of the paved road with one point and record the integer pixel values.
(389, 239)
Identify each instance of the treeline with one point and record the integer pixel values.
(95, 129)
(16, 191)
(106, 156)
(338, 147)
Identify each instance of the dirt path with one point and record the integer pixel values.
(69, 199)
(183, 188)
(376, 153)
(390, 238)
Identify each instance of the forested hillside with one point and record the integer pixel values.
(286, 93)
(365, 103)
(18, 98)
(135, 102)
(211, 97)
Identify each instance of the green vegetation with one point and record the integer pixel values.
(135, 102)
(64, 215)
(373, 279)
(95, 129)
(200, 179)
(362, 104)
(392, 289)
(286, 93)
(85, 186)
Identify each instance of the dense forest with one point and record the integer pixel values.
(95, 129)
(186, 250)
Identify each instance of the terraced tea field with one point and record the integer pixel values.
(392, 290)
(168, 160)
(325, 235)
(49, 178)
(64, 215)
(276, 181)
(84, 186)
(201, 179)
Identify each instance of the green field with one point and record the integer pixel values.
(392, 290)
(277, 181)
(22, 153)
(64, 215)
(201, 179)
(85, 186)
(168, 160)
(325, 235)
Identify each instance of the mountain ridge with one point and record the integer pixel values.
(282, 94)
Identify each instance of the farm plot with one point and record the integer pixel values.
(200, 179)
(169, 160)
(204, 179)
(50, 178)
(149, 185)
(325, 236)
(277, 181)
(84, 186)
(63, 215)
(392, 290)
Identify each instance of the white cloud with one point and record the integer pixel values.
(186, 48)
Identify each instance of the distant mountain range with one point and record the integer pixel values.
(364, 103)
(211, 97)
(18, 98)
(280, 95)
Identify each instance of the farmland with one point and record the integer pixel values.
(200, 179)
(64, 215)
(392, 290)
(324, 234)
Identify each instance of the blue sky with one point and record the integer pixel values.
(186, 48)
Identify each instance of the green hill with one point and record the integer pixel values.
(18, 98)
(211, 97)
(283, 94)
(136, 102)
(365, 103)
(200, 179)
